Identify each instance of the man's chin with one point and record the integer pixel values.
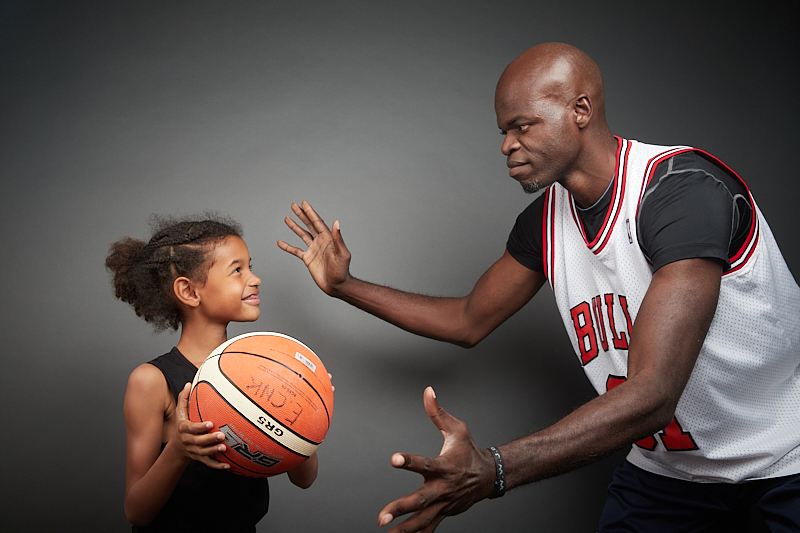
(531, 186)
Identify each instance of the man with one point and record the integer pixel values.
(675, 297)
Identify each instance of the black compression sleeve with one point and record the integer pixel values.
(525, 241)
(692, 208)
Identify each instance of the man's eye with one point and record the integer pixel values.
(523, 127)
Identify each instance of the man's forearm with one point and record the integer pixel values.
(499, 293)
(595, 430)
(439, 318)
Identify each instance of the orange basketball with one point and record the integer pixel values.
(272, 398)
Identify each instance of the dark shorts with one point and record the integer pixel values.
(639, 501)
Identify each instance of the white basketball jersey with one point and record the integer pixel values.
(739, 416)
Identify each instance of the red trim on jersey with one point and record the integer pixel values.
(618, 193)
(749, 248)
(548, 250)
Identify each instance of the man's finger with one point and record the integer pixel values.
(310, 218)
(407, 504)
(300, 232)
(413, 463)
(338, 239)
(301, 214)
(447, 423)
(286, 247)
(314, 219)
(423, 520)
(434, 524)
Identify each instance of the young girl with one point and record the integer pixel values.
(194, 274)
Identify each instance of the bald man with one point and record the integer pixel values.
(675, 296)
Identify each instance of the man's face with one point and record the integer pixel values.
(541, 142)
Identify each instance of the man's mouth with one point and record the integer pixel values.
(515, 168)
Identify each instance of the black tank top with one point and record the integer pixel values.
(206, 499)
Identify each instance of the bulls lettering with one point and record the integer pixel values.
(584, 328)
(590, 323)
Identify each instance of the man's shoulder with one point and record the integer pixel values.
(685, 156)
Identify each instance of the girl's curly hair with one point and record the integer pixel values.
(143, 273)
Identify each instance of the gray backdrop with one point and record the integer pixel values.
(381, 115)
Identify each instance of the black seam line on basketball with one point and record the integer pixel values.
(327, 413)
(259, 428)
(324, 405)
(197, 404)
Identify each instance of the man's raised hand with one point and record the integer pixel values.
(326, 256)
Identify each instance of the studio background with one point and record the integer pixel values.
(381, 115)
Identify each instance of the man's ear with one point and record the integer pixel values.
(185, 292)
(583, 111)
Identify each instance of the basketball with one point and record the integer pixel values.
(272, 398)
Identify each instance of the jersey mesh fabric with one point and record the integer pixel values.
(739, 416)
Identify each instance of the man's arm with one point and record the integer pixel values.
(500, 292)
(669, 331)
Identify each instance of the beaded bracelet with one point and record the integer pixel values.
(499, 473)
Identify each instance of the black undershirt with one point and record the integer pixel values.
(692, 207)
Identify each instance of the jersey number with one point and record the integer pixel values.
(673, 436)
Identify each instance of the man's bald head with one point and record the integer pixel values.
(555, 71)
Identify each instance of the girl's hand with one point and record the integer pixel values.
(193, 437)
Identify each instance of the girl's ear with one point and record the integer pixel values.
(185, 292)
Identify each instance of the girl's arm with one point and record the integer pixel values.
(305, 474)
(150, 474)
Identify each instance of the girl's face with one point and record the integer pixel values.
(230, 293)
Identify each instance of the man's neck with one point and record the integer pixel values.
(595, 171)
